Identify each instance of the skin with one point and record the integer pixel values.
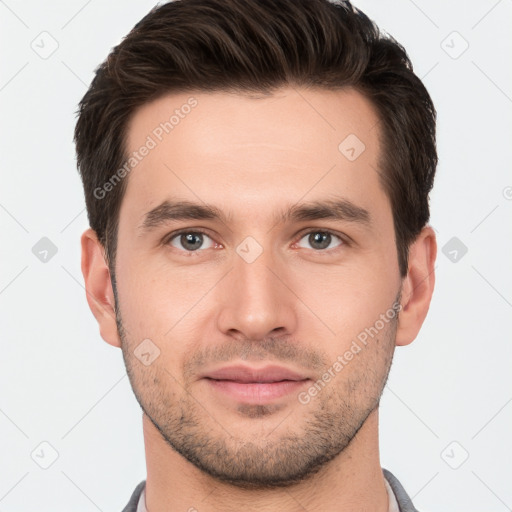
(297, 305)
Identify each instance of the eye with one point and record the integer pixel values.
(321, 239)
(190, 241)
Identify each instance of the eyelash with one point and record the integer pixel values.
(301, 235)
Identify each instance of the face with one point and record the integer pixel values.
(257, 278)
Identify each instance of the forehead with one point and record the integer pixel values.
(249, 152)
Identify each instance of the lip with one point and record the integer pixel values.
(255, 385)
(248, 375)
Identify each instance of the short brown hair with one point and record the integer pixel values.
(258, 46)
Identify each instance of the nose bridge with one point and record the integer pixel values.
(255, 301)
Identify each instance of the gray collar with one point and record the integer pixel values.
(137, 503)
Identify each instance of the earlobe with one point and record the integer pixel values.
(418, 286)
(98, 286)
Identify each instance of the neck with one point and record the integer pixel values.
(353, 481)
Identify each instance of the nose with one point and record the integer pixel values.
(255, 300)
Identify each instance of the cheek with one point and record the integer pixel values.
(142, 300)
(346, 300)
(158, 302)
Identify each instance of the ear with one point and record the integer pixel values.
(417, 286)
(98, 286)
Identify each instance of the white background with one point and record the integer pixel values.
(449, 395)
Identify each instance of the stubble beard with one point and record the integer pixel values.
(289, 453)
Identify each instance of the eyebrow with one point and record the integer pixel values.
(339, 209)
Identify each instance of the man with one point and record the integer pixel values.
(256, 175)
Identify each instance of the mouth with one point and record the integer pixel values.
(255, 385)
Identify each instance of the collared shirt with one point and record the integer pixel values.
(392, 505)
(141, 507)
(399, 501)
